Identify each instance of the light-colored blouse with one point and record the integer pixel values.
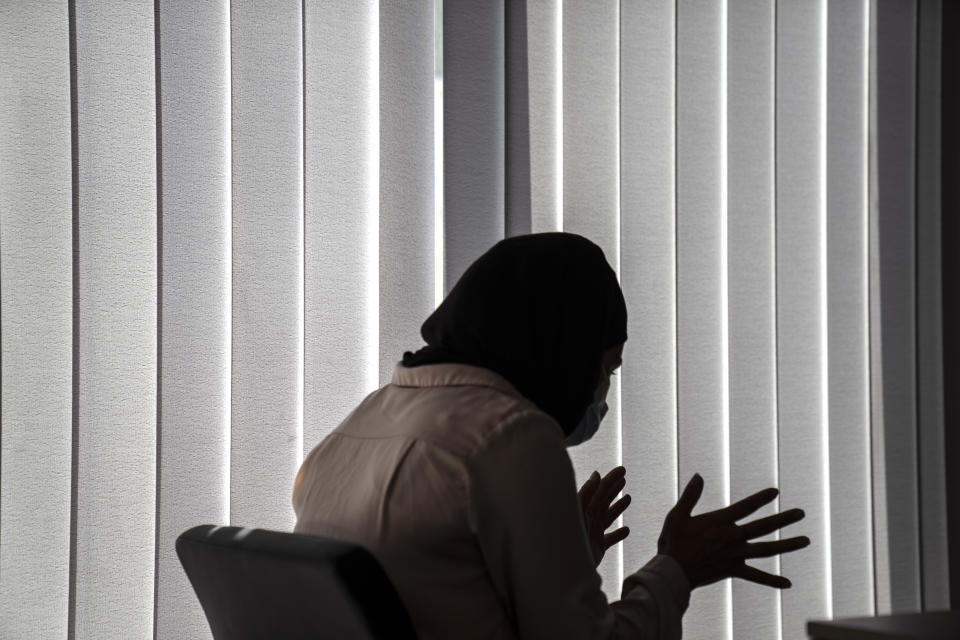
(463, 490)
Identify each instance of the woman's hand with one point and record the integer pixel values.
(711, 546)
(596, 494)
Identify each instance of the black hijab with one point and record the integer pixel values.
(537, 309)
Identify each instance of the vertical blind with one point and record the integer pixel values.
(221, 224)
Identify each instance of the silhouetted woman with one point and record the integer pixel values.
(456, 475)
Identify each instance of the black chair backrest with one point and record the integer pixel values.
(256, 583)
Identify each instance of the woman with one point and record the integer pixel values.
(455, 475)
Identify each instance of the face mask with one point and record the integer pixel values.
(590, 421)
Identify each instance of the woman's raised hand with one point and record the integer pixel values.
(711, 546)
(596, 494)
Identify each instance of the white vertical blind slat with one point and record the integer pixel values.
(934, 544)
(752, 288)
(194, 428)
(406, 177)
(117, 394)
(36, 312)
(516, 126)
(473, 132)
(544, 70)
(896, 503)
(702, 419)
(341, 304)
(648, 271)
(847, 303)
(881, 570)
(267, 261)
(801, 300)
(591, 190)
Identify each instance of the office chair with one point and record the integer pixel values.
(256, 583)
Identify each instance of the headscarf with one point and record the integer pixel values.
(540, 310)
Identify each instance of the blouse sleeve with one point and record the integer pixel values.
(526, 515)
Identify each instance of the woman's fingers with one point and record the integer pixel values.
(613, 474)
(615, 510)
(776, 547)
(763, 526)
(742, 508)
(609, 491)
(762, 577)
(588, 490)
(595, 495)
(614, 537)
(612, 484)
(690, 496)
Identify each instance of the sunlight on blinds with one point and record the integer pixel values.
(116, 385)
(751, 282)
(222, 225)
(648, 269)
(590, 202)
(847, 300)
(800, 304)
(439, 285)
(195, 294)
(36, 321)
(407, 287)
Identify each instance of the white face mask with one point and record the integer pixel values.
(590, 421)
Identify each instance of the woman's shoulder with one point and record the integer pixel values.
(482, 417)
(470, 416)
